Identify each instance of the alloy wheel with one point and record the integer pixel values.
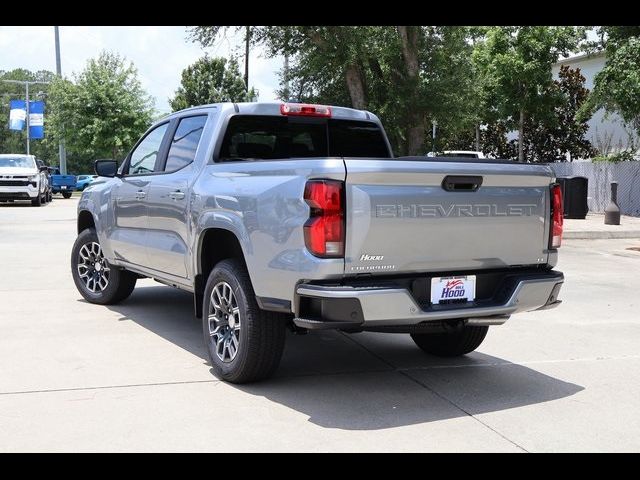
(224, 321)
(93, 269)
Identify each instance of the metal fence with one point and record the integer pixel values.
(600, 175)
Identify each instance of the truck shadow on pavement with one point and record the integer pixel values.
(365, 381)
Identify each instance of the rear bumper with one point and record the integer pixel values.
(62, 188)
(376, 307)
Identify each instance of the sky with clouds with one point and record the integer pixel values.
(159, 53)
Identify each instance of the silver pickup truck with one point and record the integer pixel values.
(298, 216)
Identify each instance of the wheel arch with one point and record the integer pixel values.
(215, 244)
(85, 220)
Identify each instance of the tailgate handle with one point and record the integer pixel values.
(459, 183)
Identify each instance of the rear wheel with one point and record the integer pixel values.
(451, 344)
(96, 279)
(66, 194)
(244, 343)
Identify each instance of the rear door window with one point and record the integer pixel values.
(184, 144)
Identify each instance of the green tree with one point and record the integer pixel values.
(408, 75)
(516, 65)
(494, 141)
(206, 36)
(211, 80)
(617, 85)
(556, 136)
(102, 112)
(12, 141)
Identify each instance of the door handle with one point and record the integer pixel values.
(140, 195)
(176, 195)
(461, 183)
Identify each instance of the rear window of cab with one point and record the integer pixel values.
(256, 137)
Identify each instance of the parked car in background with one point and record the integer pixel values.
(64, 184)
(44, 168)
(457, 153)
(22, 179)
(83, 180)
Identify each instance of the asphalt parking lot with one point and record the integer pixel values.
(81, 377)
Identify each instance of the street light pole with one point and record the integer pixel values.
(27, 119)
(62, 153)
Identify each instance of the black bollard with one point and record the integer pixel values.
(612, 212)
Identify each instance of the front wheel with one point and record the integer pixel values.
(97, 280)
(244, 343)
(66, 194)
(451, 344)
(36, 202)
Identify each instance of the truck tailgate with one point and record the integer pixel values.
(400, 217)
(67, 180)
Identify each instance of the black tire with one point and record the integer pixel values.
(66, 194)
(50, 197)
(261, 333)
(451, 344)
(120, 282)
(36, 202)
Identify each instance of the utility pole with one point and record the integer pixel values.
(247, 37)
(62, 153)
(26, 84)
(287, 90)
(26, 87)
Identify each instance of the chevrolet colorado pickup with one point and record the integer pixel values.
(295, 215)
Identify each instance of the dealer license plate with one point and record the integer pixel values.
(445, 289)
(63, 187)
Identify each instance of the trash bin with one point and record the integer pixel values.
(574, 196)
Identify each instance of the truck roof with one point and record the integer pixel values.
(273, 108)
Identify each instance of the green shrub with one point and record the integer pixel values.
(622, 156)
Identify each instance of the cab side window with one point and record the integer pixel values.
(184, 144)
(143, 158)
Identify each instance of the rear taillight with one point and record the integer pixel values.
(557, 215)
(305, 110)
(324, 231)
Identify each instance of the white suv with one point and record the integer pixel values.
(22, 179)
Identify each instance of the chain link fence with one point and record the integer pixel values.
(600, 175)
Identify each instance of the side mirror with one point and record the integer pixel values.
(106, 168)
(43, 168)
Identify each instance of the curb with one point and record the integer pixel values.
(596, 235)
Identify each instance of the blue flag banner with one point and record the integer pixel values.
(36, 119)
(17, 114)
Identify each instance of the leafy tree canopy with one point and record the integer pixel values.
(407, 75)
(516, 67)
(103, 111)
(617, 85)
(211, 80)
